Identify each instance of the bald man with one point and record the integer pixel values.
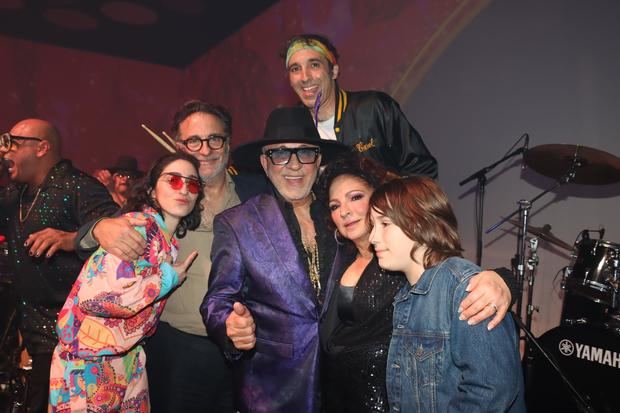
(46, 201)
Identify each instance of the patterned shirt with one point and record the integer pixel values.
(114, 304)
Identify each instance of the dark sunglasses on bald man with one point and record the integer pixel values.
(176, 181)
(7, 140)
(282, 156)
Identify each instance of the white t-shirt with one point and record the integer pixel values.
(326, 129)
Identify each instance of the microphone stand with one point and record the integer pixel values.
(481, 177)
(523, 211)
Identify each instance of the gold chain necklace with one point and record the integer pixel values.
(21, 195)
(312, 254)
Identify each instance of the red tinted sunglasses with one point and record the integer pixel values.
(176, 182)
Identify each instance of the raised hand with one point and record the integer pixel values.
(181, 268)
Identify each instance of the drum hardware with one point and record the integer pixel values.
(595, 167)
(581, 401)
(481, 177)
(544, 233)
(532, 264)
(566, 164)
(594, 271)
(518, 262)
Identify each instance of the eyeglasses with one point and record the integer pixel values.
(194, 143)
(176, 182)
(129, 177)
(282, 156)
(7, 140)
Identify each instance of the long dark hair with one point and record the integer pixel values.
(141, 192)
(366, 169)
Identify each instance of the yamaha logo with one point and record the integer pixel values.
(566, 347)
(590, 353)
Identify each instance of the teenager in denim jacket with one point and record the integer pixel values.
(436, 362)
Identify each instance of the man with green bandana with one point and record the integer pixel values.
(369, 121)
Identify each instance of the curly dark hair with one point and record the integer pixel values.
(198, 106)
(350, 163)
(305, 37)
(141, 192)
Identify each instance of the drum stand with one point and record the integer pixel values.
(519, 261)
(519, 266)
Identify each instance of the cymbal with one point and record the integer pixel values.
(594, 167)
(544, 233)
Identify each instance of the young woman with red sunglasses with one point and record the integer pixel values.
(99, 364)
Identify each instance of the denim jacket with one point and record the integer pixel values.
(437, 363)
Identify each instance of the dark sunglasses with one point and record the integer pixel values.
(282, 156)
(194, 186)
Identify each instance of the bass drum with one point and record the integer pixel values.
(589, 357)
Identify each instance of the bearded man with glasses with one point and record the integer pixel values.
(47, 201)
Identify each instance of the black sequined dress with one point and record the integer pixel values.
(358, 329)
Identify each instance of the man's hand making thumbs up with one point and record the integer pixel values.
(240, 327)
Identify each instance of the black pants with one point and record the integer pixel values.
(187, 373)
(39, 383)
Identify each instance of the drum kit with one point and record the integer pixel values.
(581, 357)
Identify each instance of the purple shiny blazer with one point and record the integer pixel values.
(255, 262)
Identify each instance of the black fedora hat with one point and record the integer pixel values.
(286, 125)
(127, 165)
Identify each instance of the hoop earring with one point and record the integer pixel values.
(336, 233)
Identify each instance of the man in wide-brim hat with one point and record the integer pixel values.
(270, 266)
(120, 177)
(285, 125)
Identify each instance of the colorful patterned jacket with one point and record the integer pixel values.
(115, 304)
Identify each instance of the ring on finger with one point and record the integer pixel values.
(494, 306)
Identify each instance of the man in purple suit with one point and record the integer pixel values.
(271, 262)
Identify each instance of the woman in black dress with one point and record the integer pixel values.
(356, 331)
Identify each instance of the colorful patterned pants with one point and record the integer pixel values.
(103, 385)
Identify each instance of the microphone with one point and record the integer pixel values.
(526, 147)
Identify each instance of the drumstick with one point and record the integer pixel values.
(168, 137)
(158, 139)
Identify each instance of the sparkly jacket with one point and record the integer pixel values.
(114, 304)
(373, 124)
(68, 199)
